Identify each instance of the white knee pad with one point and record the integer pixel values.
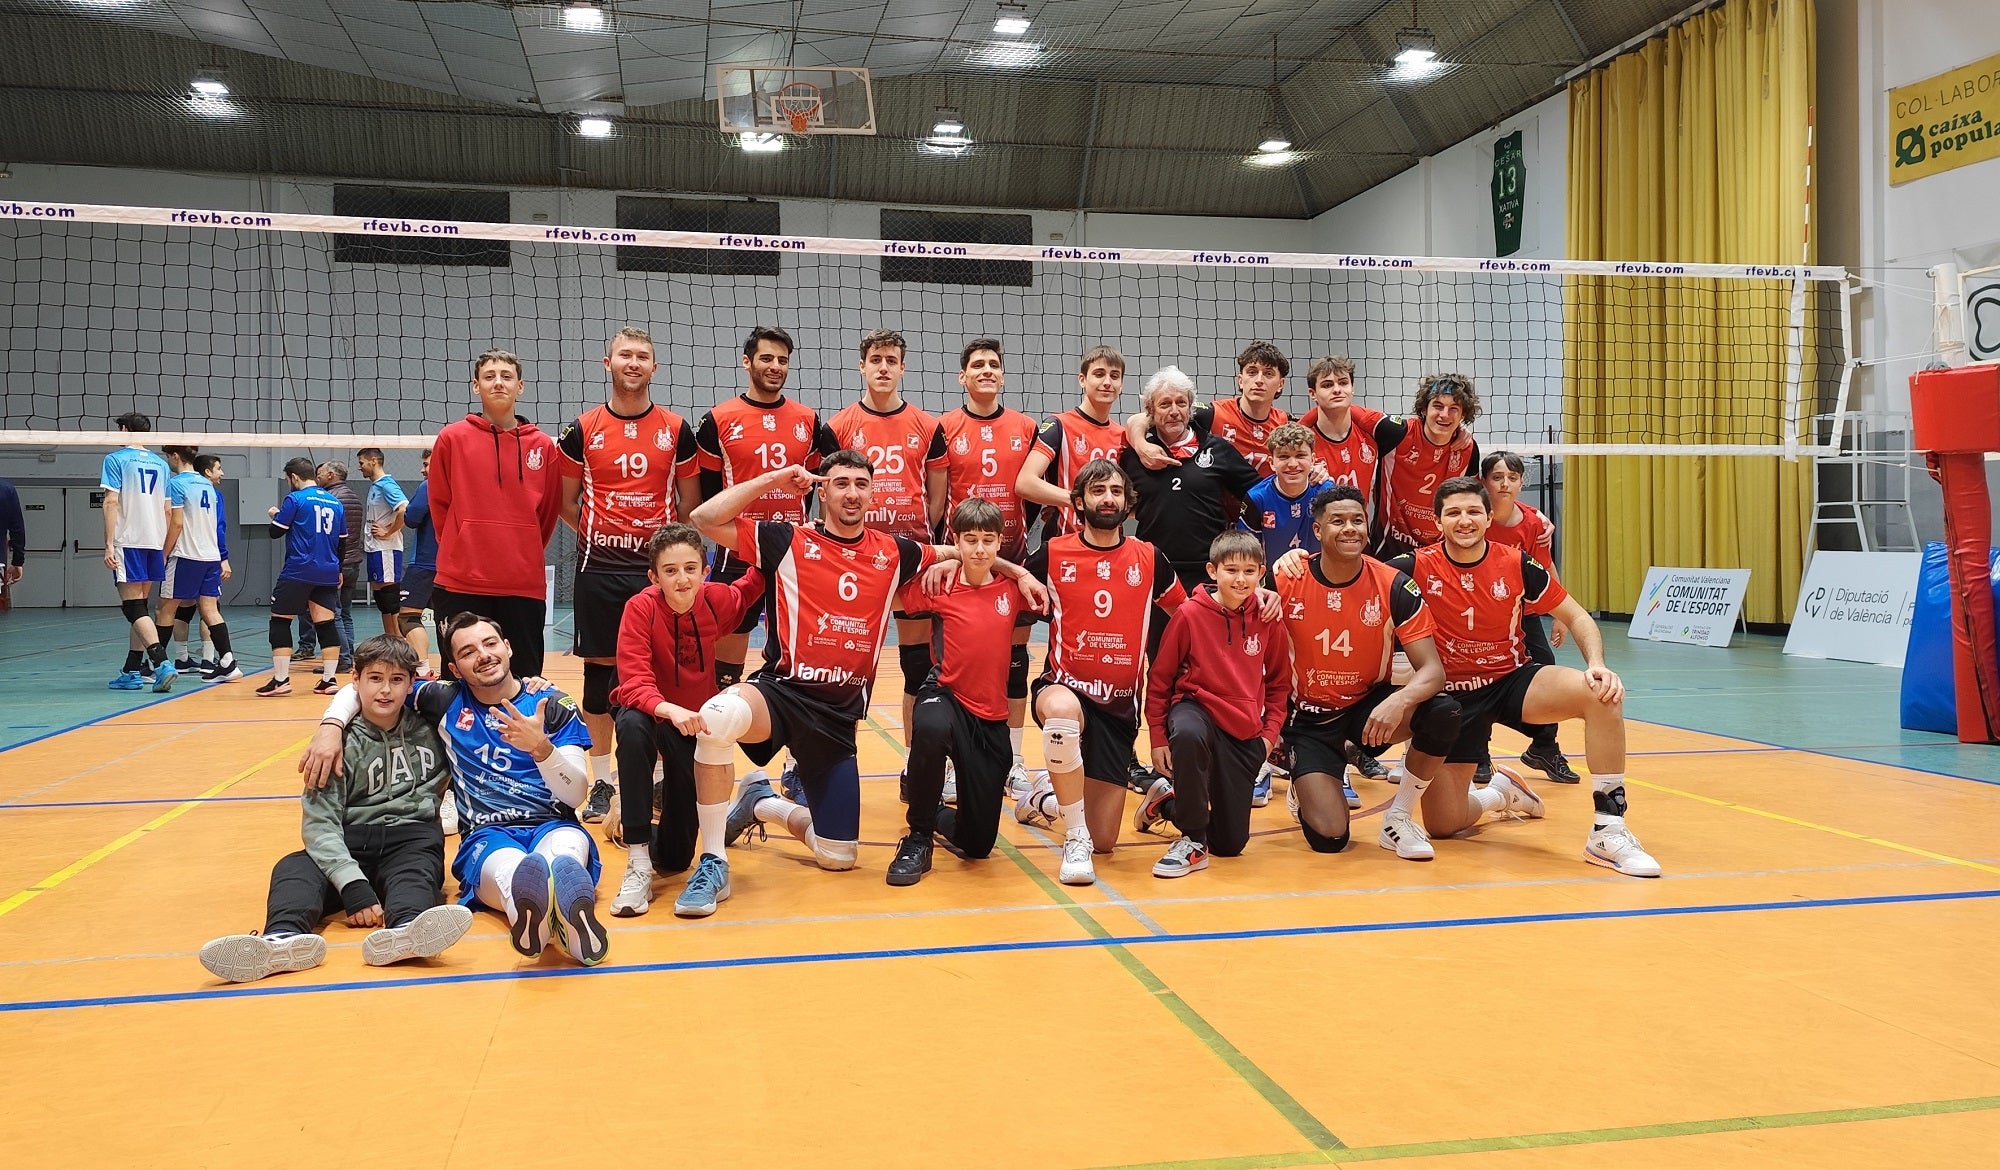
(569, 841)
(834, 855)
(1062, 745)
(727, 717)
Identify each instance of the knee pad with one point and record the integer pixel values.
(727, 717)
(281, 633)
(328, 633)
(1434, 725)
(916, 662)
(133, 609)
(598, 680)
(1321, 843)
(409, 623)
(1017, 673)
(389, 598)
(1062, 745)
(835, 855)
(184, 611)
(728, 674)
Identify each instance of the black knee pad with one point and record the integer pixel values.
(281, 633)
(328, 633)
(389, 598)
(133, 609)
(186, 610)
(728, 674)
(409, 623)
(1321, 843)
(916, 662)
(1017, 673)
(1434, 725)
(598, 680)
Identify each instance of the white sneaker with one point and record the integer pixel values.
(1017, 781)
(950, 795)
(1292, 799)
(448, 813)
(1260, 788)
(1183, 858)
(1614, 847)
(246, 958)
(635, 893)
(1147, 814)
(1401, 832)
(1028, 806)
(1076, 869)
(1521, 799)
(423, 937)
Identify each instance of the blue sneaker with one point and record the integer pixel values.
(128, 680)
(743, 814)
(163, 678)
(707, 885)
(788, 783)
(576, 924)
(530, 928)
(1260, 792)
(1347, 790)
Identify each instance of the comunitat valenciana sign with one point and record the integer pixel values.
(1945, 121)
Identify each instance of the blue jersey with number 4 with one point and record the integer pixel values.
(314, 522)
(496, 782)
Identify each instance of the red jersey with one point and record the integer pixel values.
(1531, 532)
(1344, 634)
(668, 657)
(1411, 478)
(1100, 612)
(983, 458)
(972, 640)
(829, 602)
(1353, 460)
(740, 440)
(902, 446)
(1224, 418)
(629, 467)
(1478, 608)
(1070, 440)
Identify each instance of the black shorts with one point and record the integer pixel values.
(1497, 702)
(818, 735)
(1108, 735)
(417, 585)
(1316, 739)
(289, 597)
(599, 607)
(726, 569)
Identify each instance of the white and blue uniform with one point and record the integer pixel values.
(385, 553)
(503, 801)
(1288, 521)
(195, 569)
(140, 479)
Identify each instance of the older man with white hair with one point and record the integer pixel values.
(1184, 507)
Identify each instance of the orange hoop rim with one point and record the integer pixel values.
(798, 101)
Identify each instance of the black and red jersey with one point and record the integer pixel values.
(1100, 612)
(983, 458)
(1478, 608)
(1352, 460)
(741, 439)
(1070, 440)
(901, 445)
(1226, 420)
(1410, 480)
(1344, 634)
(629, 468)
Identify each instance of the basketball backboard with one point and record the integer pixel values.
(781, 99)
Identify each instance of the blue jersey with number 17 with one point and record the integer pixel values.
(314, 522)
(497, 783)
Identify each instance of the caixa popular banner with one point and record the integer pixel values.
(1945, 122)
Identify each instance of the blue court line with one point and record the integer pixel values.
(1062, 944)
(1829, 753)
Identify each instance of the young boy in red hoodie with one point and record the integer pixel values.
(666, 671)
(1215, 702)
(496, 494)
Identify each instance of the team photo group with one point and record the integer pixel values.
(1273, 600)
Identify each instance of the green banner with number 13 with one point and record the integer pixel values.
(1510, 181)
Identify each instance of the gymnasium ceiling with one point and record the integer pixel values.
(1107, 105)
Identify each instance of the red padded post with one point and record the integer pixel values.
(1955, 419)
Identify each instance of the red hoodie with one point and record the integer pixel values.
(1236, 665)
(495, 499)
(668, 657)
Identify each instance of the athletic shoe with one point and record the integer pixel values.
(913, 860)
(423, 937)
(1183, 858)
(1076, 869)
(1018, 783)
(274, 687)
(163, 678)
(635, 893)
(743, 813)
(707, 887)
(1402, 833)
(1292, 800)
(326, 686)
(1370, 767)
(448, 813)
(130, 680)
(789, 784)
(186, 665)
(1148, 813)
(593, 810)
(1521, 799)
(1551, 763)
(344, 666)
(950, 784)
(206, 665)
(246, 958)
(530, 928)
(1614, 847)
(576, 925)
(1348, 794)
(1483, 774)
(1139, 778)
(1260, 792)
(222, 672)
(1028, 805)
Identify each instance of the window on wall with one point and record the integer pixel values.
(731, 217)
(402, 204)
(951, 227)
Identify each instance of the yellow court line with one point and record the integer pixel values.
(1850, 835)
(96, 855)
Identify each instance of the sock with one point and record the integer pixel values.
(156, 653)
(1048, 807)
(1408, 789)
(281, 664)
(1072, 818)
(772, 810)
(1488, 800)
(329, 666)
(218, 636)
(714, 822)
(1014, 737)
(642, 857)
(600, 769)
(1607, 795)
(134, 660)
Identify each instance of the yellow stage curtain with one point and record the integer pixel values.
(1691, 148)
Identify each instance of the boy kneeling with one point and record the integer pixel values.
(1215, 702)
(373, 845)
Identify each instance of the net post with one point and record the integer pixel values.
(1795, 341)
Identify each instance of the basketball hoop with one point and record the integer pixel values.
(799, 103)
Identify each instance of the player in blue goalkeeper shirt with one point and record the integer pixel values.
(519, 768)
(313, 526)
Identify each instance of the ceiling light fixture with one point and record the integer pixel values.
(755, 142)
(1005, 55)
(949, 124)
(594, 127)
(210, 83)
(1274, 158)
(584, 15)
(1274, 139)
(1416, 49)
(1011, 20)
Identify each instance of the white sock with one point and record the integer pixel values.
(1488, 799)
(281, 664)
(328, 665)
(1072, 817)
(1408, 789)
(772, 810)
(641, 857)
(1014, 737)
(714, 822)
(600, 768)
